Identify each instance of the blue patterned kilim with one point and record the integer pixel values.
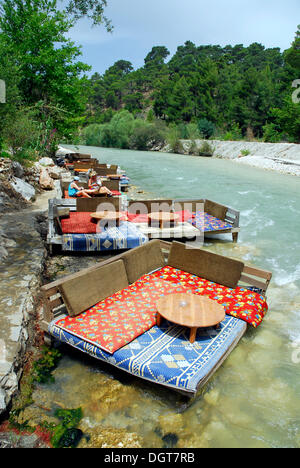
(207, 223)
(164, 354)
(124, 236)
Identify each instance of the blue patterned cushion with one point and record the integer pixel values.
(124, 236)
(164, 354)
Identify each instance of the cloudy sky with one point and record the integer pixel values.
(141, 24)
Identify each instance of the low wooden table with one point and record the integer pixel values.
(190, 310)
(107, 216)
(162, 217)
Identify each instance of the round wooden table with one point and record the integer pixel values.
(162, 217)
(190, 310)
(107, 216)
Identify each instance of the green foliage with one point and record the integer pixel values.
(287, 119)
(233, 88)
(292, 55)
(43, 367)
(245, 152)
(206, 128)
(42, 73)
(66, 434)
(234, 134)
(173, 140)
(206, 149)
(272, 133)
(146, 135)
(22, 135)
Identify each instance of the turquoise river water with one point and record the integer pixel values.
(253, 399)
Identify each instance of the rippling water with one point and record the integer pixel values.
(253, 399)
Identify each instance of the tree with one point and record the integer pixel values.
(33, 31)
(292, 55)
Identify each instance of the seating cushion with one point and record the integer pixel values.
(241, 303)
(124, 236)
(90, 287)
(120, 318)
(81, 223)
(207, 223)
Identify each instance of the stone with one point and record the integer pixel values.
(17, 169)
(45, 180)
(46, 162)
(2, 401)
(26, 190)
(55, 172)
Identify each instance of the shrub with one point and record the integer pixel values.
(22, 136)
(234, 134)
(206, 128)
(245, 152)
(173, 139)
(206, 149)
(272, 134)
(145, 136)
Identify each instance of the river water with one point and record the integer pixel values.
(253, 399)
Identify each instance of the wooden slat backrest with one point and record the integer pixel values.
(103, 171)
(89, 288)
(205, 264)
(90, 205)
(190, 205)
(215, 209)
(111, 184)
(148, 206)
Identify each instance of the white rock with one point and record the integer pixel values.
(46, 162)
(55, 172)
(2, 401)
(26, 190)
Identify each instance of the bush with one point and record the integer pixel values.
(23, 135)
(145, 136)
(206, 128)
(173, 139)
(272, 134)
(206, 149)
(115, 134)
(245, 152)
(234, 134)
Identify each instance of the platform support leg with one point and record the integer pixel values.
(235, 236)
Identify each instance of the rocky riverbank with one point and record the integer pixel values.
(24, 197)
(279, 157)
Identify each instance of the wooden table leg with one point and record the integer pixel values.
(158, 319)
(193, 334)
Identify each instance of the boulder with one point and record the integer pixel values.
(18, 169)
(55, 172)
(45, 181)
(46, 162)
(26, 190)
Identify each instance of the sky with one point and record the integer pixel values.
(141, 24)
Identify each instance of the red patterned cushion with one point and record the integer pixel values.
(79, 223)
(184, 215)
(239, 302)
(122, 317)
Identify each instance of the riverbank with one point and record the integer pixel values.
(279, 157)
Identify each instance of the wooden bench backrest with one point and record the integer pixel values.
(91, 205)
(148, 206)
